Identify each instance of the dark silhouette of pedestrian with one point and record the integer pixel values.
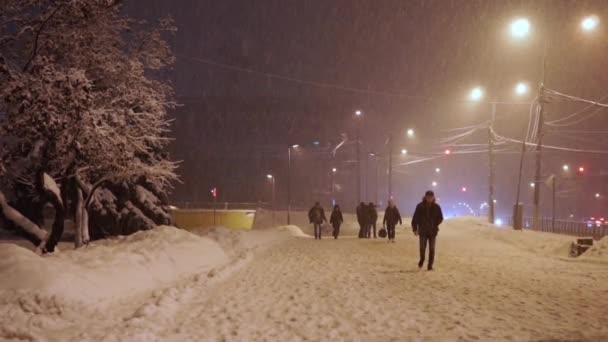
(425, 223)
(316, 215)
(391, 218)
(362, 219)
(373, 219)
(336, 220)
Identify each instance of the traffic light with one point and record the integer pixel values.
(581, 170)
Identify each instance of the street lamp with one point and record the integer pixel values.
(476, 94)
(597, 195)
(437, 170)
(532, 185)
(590, 23)
(520, 28)
(271, 178)
(358, 113)
(410, 132)
(404, 151)
(289, 150)
(521, 88)
(434, 184)
(448, 152)
(566, 168)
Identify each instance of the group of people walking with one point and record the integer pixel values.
(425, 223)
(367, 216)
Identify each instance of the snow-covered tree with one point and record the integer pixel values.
(81, 85)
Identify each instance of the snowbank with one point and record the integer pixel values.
(108, 269)
(599, 251)
(50, 293)
(547, 244)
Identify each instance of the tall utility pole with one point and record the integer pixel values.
(390, 167)
(491, 165)
(539, 147)
(358, 158)
(289, 185)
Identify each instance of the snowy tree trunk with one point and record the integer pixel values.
(78, 219)
(85, 224)
(54, 196)
(24, 223)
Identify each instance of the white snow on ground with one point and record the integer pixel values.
(490, 284)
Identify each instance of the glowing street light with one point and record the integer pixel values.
(520, 28)
(566, 167)
(434, 184)
(590, 23)
(334, 170)
(597, 195)
(295, 146)
(581, 169)
(464, 189)
(410, 132)
(532, 185)
(448, 152)
(404, 151)
(358, 113)
(476, 94)
(437, 170)
(269, 176)
(521, 88)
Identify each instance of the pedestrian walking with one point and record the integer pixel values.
(362, 219)
(425, 223)
(373, 219)
(336, 220)
(316, 215)
(391, 218)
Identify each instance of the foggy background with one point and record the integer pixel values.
(405, 64)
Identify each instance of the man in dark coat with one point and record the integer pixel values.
(316, 215)
(336, 220)
(362, 219)
(373, 219)
(425, 223)
(391, 218)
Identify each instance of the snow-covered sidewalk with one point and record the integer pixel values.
(490, 284)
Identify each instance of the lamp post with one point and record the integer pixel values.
(272, 179)
(358, 115)
(289, 149)
(332, 186)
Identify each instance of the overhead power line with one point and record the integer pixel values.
(334, 86)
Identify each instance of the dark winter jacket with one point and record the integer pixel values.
(336, 217)
(317, 215)
(373, 214)
(362, 214)
(427, 218)
(391, 216)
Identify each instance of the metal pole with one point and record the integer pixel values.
(390, 167)
(491, 166)
(366, 178)
(358, 164)
(214, 209)
(517, 224)
(376, 183)
(289, 185)
(274, 208)
(553, 205)
(539, 146)
(331, 185)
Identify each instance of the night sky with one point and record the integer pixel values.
(404, 64)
